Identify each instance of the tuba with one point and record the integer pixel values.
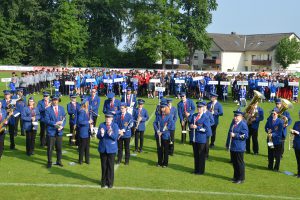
(285, 105)
(250, 110)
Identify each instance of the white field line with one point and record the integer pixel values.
(132, 141)
(212, 193)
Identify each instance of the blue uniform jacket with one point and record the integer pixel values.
(108, 143)
(277, 128)
(163, 124)
(145, 117)
(288, 116)
(202, 130)
(20, 105)
(26, 117)
(83, 124)
(51, 119)
(238, 143)
(11, 120)
(259, 117)
(107, 106)
(94, 105)
(296, 142)
(190, 108)
(126, 124)
(211, 121)
(218, 111)
(73, 112)
(173, 113)
(41, 106)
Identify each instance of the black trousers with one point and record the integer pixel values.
(214, 132)
(125, 142)
(172, 141)
(17, 120)
(57, 141)
(297, 154)
(71, 131)
(107, 169)
(30, 141)
(43, 129)
(282, 147)
(163, 152)
(94, 120)
(84, 149)
(254, 134)
(183, 135)
(274, 153)
(139, 135)
(238, 165)
(2, 137)
(199, 157)
(11, 130)
(207, 148)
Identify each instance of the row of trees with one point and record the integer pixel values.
(87, 32)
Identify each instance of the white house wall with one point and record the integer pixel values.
(232, 61)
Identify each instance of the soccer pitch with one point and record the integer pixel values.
(23, 177)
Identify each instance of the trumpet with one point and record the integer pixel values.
(139, 119)
(73, 139)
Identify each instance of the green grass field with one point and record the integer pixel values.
(23, 177)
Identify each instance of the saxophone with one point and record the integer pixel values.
(251, 111)
(2, 124)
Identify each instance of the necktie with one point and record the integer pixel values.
(0, 115)
(107, 126)
(198, 117)
(163, 116)
(274, 120)
(56, 111)
(122, 117)
(140, 111)
(185, 106)
(128, 99)
(112, 104)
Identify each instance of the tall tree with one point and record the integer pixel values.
(155, 30)
(287, 52)
(195, 17)
(69, 34)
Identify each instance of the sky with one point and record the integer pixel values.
(256, 16)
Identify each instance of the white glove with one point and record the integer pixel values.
(102, 132)
(202, 129)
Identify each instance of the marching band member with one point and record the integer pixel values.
(83, 137)
(242, 96)
(253, 129)
(140, 116)
(111, 104)
(296, 144)
(108, 133)
(274, 129)
(200, 125)
(129, 99)
(162, 125)
(217, 110)
(236, 140)
(6, 103)
(284, 131)
(73, 109)
(20, 105)
(185, 108)
(94, 103)
(30, 116)
(209, 131)
(42, 106)
(55, 120)
(2, 129)
(125, 123)
(173, 113)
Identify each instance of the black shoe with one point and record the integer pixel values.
(247, 152)
(164, 166)
(80, 162)
(238, 182)
(87, 162)
(49, 165)
(126, 163)
(136, 150)
(118, 162)
(12, 147)
(110, 186)
(255, 154)
(59, 164)
(298, 176)
(141, 150)
(211, 146)
(158, 165)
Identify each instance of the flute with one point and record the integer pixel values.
(194, 131)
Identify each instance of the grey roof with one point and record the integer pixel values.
(256, 42)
